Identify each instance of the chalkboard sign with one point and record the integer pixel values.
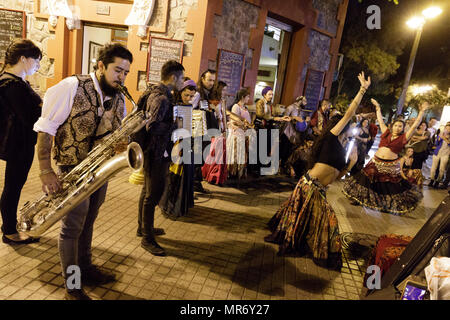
(230, 68)
(313, 88)
(160, 51)
(12, 25)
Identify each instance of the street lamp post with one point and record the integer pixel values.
(415, 23)
(412, 57)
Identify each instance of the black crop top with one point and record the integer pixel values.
(332, 152)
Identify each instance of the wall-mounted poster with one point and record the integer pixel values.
(313, 88)
(12, 26)
(94, 48)
(160, 51)
(230, 69)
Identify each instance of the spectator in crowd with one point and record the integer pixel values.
(407, 173)
(440, 157)
(19, 110)
(238, 141)
(178, 195)
(320, 117)
(362, 138)
(419, 143)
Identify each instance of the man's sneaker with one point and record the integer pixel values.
(153, 247)
(156, 232)
(77, 294)
(94, 276)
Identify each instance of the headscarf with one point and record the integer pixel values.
(265, 90)
(188, 83)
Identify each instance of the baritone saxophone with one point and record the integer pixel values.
(94, 171)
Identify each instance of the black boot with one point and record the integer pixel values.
(153, 247)
(148, 233)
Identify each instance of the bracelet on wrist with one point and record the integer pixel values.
(45, 171)
(362, 89)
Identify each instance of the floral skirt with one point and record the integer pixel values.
(379, 186)
(306, 223)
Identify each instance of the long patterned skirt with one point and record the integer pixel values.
(306, 223)
(215, 168)
(379, 186)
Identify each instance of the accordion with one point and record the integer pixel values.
(199, 127)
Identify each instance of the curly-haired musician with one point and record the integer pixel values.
(78, 112)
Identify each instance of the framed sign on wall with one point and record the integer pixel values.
(230, 69)
(159, 52)
(12, 26)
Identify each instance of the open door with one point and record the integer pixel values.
(274, 58)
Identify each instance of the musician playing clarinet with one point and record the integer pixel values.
(77, 113)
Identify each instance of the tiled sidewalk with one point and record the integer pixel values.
(215, 252)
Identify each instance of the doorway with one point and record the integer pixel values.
(274, 58)
(94, 37)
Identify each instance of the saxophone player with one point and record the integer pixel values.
(77, 113)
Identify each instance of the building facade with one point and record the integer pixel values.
(307, 33)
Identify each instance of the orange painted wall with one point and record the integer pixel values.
(67, 46)
(303, 17)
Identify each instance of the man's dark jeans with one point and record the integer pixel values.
(155, 172)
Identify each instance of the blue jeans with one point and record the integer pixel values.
(77, 228)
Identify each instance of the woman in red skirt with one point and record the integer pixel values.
(380, 185)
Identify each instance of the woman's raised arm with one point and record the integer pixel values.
(423, 107)
(380, 119)
(353, 106)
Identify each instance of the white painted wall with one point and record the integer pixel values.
(94, 34)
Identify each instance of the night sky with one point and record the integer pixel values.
(434, 48)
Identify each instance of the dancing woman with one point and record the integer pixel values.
(306, 222)
(380, 185)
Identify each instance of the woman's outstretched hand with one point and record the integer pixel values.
(376, 104)
(424, 106)
(364, 83)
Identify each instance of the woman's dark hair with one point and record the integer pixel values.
(177, 95)
(241, 94)
(110, 51)
(19, 48)
(362, 121)
(217, 90)
(426, 124)
(397, 120)
(318, 143)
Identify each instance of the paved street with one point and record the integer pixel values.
(215, 252)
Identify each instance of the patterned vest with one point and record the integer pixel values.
(78, 134)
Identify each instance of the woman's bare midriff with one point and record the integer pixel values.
(325, 173)
(386, 154)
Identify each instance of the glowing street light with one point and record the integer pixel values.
(416, 23)
(417, 90)
(431, 12)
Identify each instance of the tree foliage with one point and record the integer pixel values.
(435, 97)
